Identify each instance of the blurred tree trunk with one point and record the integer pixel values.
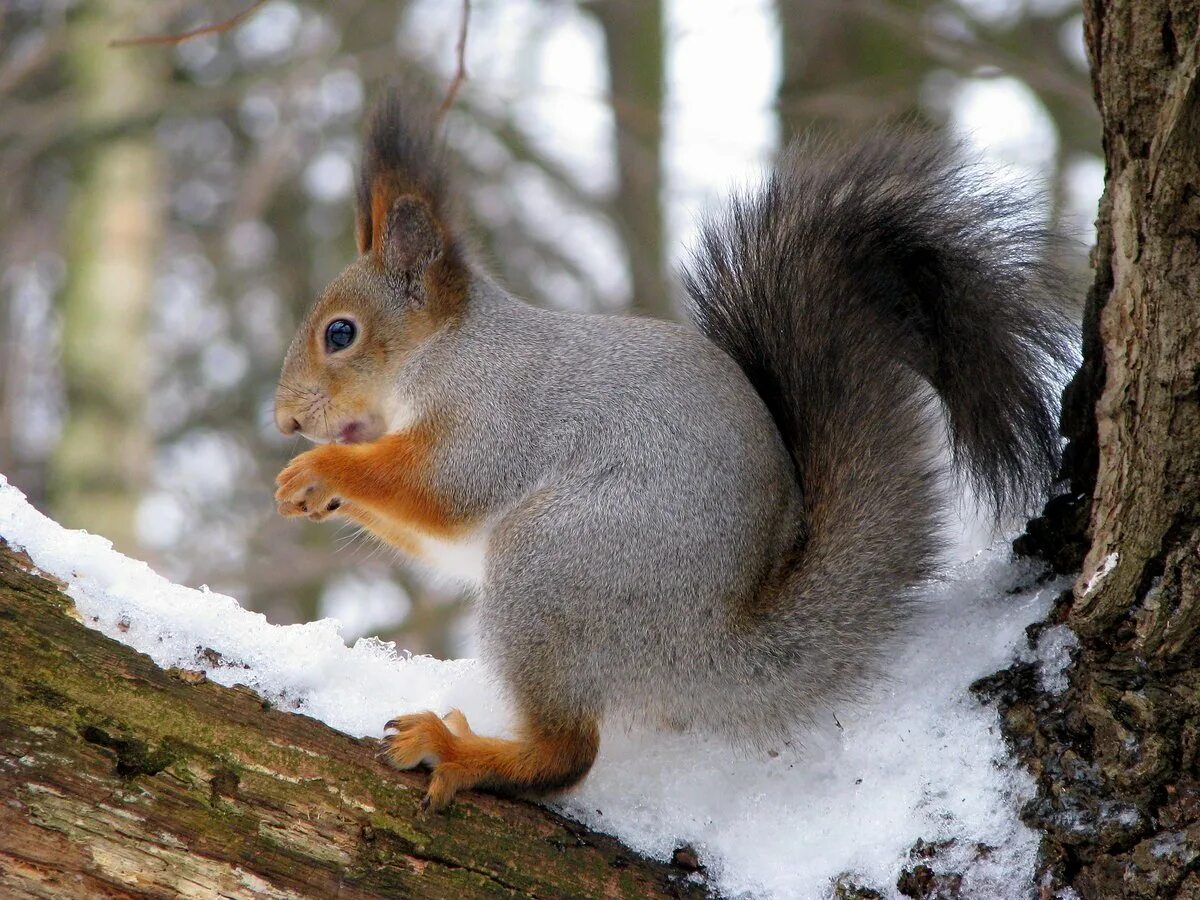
(102, 460)
(119, 779)
(1038, 36)
(842, 69)
(636, 51)
(1118, 755)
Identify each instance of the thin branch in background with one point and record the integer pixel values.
(460, 73)
(216, 28)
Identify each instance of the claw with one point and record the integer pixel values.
(420, 739)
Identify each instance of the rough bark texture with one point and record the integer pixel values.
(118, 779)
(1118, 755)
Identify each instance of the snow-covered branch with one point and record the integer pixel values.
(121, 778)
(920, 765)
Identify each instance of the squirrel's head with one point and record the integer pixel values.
(343, 377)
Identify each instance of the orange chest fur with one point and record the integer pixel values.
(390, 485)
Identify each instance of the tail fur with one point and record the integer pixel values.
(856, 279)
(896, 233)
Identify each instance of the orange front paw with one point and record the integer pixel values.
(423, 739)
(304, 487)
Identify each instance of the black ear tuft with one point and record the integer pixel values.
(402, 154)
(405, 210)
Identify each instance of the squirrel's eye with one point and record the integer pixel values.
(339, 335)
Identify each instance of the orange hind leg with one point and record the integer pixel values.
(542, 758)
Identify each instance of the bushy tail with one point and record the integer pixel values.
(856, 274)
(896, 233)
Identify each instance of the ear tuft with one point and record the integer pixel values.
(403, 153)
(405, 220)
(411, 240)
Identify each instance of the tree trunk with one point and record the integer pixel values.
(100, 465)
(635, 49)
(1118, 755)
(843, 70)
(120, 779)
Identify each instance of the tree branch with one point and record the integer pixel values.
(460, 72)
(216, 28)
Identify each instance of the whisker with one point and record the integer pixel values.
(380, 546)
(346, 541)
(291, 390)
(358, 538)
(325, 416)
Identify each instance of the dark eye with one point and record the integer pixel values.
(339, 335)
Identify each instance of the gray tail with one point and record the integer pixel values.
(855, 280)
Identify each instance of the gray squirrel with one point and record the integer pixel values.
(719, 526)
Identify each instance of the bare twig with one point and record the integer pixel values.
(216, 28)
(460, 74)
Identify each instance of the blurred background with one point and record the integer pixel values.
(170, 211)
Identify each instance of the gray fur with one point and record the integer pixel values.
(639, 496)
(902, 235)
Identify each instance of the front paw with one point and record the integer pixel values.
(305, 489)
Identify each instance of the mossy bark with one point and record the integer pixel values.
(1118, 755)
(120, 779)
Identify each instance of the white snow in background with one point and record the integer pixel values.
(365, 602)
(921, 759)
(721, 127)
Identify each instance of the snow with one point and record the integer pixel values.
(920, 759)
(1102, 571)
(1053, 653)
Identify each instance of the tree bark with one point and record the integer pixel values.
(1118, 755)
(119, 779)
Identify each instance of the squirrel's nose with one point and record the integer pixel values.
(288, 424)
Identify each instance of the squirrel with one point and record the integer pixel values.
(721, 525)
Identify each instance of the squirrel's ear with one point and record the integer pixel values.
(362, 229)
(409, 239)
(402, 155)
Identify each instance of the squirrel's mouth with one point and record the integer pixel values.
(355, 433)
